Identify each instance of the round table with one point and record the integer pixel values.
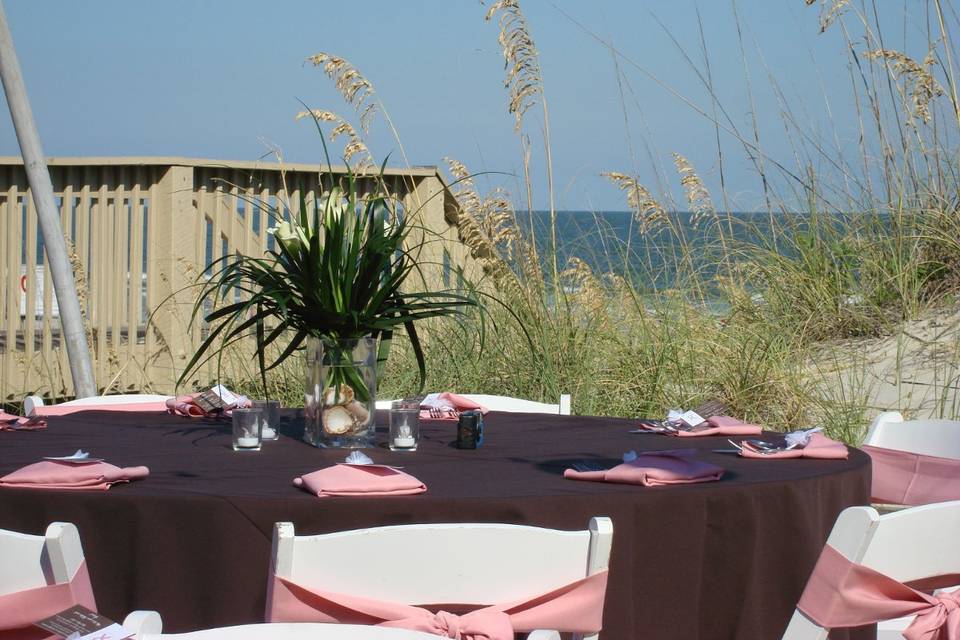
(722, 560)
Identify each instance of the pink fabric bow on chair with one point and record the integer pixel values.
(19, 610)
(360, 480)
(67, 409)
(576, 607)
(447, 406)
(902, 477)
(723, 426)
(819, 446)
(9, 422)
(51, 474)
(654, 469)
(841, 593)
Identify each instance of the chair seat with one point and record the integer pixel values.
(146, 625)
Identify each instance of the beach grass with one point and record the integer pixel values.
(778, 317)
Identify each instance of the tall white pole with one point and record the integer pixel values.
(78, 353)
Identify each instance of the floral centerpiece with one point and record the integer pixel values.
(337, 286)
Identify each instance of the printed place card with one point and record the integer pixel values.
(210, 402)
(79, 623)
(229, 398)
(691, 418)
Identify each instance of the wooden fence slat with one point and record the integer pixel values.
(117, 215)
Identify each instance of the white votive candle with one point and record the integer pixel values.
(269, 433)
(247, 441)
(404, 442)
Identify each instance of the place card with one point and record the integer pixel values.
(80, 457)
(210, 402)
(229, 398)
(79, 623)
(691, 418)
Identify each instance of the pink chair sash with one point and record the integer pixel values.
(902, 477)
(841, 593)
(19, 610)
(576, 607)
(67, 409)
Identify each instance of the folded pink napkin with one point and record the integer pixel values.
(360, 480)
(820, 446)
(187, 406)
(56, 474)
(448, 403)
(654, 469)
(10, 422)
(723, 426)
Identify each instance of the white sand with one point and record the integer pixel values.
(915, 371)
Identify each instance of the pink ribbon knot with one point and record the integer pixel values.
(575, 607)
(482, 624)
(939, 622)
(841, 593)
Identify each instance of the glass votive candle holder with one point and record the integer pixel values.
(404, 425)
(246, 429)
(271, 418)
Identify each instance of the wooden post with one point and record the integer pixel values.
(424, 203)
(173, 233)
(81, 369)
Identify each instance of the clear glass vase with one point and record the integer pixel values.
(341, 391)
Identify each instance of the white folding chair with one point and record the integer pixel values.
(29, 561)
(120, 398)
(443, 563)
(930, 437)
(908, 545)
(506, 403)
(31, 402)
(519, 405)
(927, 437)
(147, 625)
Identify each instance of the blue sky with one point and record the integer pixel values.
(218, 78)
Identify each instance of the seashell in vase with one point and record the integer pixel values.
(338, 421)
(342, 395)
(360, 413)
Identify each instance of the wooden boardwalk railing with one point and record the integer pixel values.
(140, 232)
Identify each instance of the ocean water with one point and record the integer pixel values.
(614, 242)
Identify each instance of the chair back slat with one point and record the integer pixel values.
(906, 545)
(441, 563)
(31, 561)
(939, 438)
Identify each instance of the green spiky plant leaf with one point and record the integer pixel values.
(337, 272)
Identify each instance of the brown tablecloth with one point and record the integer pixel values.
(721, 560)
